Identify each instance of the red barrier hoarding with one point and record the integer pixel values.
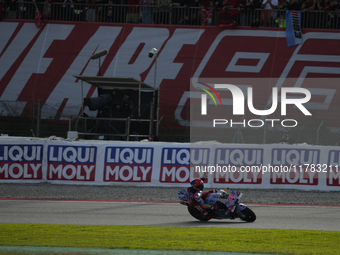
(43, 66)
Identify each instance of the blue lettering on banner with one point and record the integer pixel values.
(238, 165)
(295, 156)
(239, 156)
(72, 163)
(21, 162)
(178, 164)
(128, 164)
(294, 166)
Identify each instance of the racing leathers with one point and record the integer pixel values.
(196, 199)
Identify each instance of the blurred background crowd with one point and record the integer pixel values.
(255, 13)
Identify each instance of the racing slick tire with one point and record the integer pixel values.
(197, 214)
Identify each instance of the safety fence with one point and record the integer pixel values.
(175, 15)
(26, 120)
(312, 131)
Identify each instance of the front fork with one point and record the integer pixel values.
(236, 211)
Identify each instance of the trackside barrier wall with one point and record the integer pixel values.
(44, 68)
(272, 166)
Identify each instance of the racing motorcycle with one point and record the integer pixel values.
(225, 203)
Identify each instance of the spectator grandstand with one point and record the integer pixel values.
(322, 14)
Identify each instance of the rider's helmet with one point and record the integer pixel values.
(197, 184)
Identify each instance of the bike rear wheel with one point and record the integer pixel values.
(196, 214)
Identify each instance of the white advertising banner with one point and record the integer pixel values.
(272, 166)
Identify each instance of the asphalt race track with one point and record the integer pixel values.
(162, 214)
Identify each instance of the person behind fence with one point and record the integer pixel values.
(193, 14)
(213, 9)
(281, 22)
(228, 13)
(163, 11)
(286, 138)
(189, 16)
(307, 6)
(46, 10)
(249, 13)
(79, 10)
(320, 15)
(147, 11)
(295, 5)
(119, 10)
(67, 10)
(126, 107)
(207, 13)
(2, 10)
(11, 8)
(105, 104)
(268, 14)
(331, 10)
(108, 16)
(91, 10)
(282, 4)
(132, 15)
(177, 11)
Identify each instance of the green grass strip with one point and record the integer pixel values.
(172, 238)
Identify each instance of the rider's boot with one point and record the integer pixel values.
(203, 211)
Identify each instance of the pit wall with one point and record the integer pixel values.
(272, 166)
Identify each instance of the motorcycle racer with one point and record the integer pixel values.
(214, 204)
(196, 196)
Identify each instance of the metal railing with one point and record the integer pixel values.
(113, 128)
(175, 15)
(321, 130)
